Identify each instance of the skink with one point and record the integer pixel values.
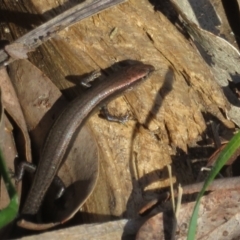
(71, 119)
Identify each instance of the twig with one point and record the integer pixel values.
(217, 184)
(39, 35)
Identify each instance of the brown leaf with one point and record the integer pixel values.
(12, 106)
(17, 51)
(41, 106)
(8, 144)
(221, 56)
(217, 218)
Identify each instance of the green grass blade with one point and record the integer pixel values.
(9, 213)
(226, 153)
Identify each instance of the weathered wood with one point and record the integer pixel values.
(122, 229)
(39, 35)
(166, 110)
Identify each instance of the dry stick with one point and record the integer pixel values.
(171, 187)
(230, 183)
(179, 200)
(216, 137)
(36, 37)
(217, 184)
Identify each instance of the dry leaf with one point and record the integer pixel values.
(41, 106)
(222, 57)
(12, 107)
(218, 217)
(17, 51)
